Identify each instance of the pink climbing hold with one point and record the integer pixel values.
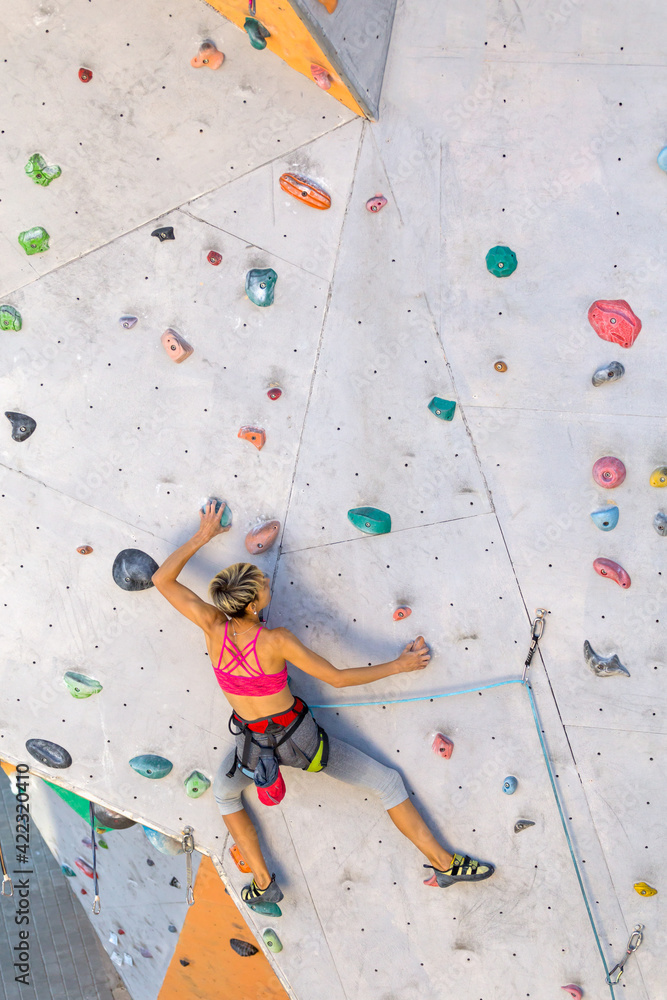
(614, 571)
(443, 746)
(320, 76)
(176, 347)
(609, 472)
(262, 537)
(614, 320)
(377, 202)
(208, 55)
(432, 881)
(575, 992)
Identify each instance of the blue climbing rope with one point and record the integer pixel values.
(487, 687)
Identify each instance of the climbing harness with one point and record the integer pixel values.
(6, 880)
(636, 939)
(276, 730)
(188, 845)
(97, 906)
(536, 635)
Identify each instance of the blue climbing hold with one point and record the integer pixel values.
(510, 785)
(662, 158)
(164, 844)
(606, 518)
(151, 765)
(442, 408)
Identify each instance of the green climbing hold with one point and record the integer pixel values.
(257, 33)
(268, 909)
(501, 261)
(196, 784)
(272, 941)
(10, 318)
(35, 240)
(103, 844)
(442, 408)
(41, 173)
(66, 870)
(80, 686)
(370, 520)
(151, 765)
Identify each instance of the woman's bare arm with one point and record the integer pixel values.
(312, 663)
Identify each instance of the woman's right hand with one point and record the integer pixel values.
(415, 656)
(210, 525)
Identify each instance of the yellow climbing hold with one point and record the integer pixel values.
(659, 476)
(644, 889)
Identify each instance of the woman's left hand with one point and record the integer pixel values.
(209, 525)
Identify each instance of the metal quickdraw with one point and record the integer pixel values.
(188, 845)
(636, 939)
(97, 906)
(6, 880)
(537, 630)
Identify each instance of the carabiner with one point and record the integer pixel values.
(11, 887)
(636, 939)
(538, 624)
(97, 905)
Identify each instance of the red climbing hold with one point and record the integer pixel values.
(275, 392)
(575, 992)
(609, 472)
(320, 76)
(255, 435)
(177, 348)
(85, 75)
(84, 867)
(242, 865)
(401, 613)
(84, 550)
(613, 570)
(442, 745)
(213, 257)
(614, 320)
(262, 537)
(377, 202)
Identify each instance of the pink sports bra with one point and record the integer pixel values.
(253, 684)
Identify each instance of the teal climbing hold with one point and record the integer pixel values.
(196, 784)
(501, 261)
(606, 518)
(442, 408)
(510, 785)
(10, 318)
(226, 516)
(38, 169)
(151, 765)
(162, 843)
(35, 240)
(260, 283)
(370, 520)
(662, 158)
(80, 686)
(266, 908)
(257, 33)
(66, 870)
(272, 941)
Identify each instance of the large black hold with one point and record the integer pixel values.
(22, 425)
(133, 569)
(114, 820)
(46, 752)
(243, 948)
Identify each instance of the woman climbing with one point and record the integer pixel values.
(273, 727)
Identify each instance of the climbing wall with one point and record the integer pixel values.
(501, 128)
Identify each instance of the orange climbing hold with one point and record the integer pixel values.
(255, 435)
(242, 865)
(176, 347)
(209, 56)
(401, 613)
(303, 189)
(329, 5)
(443, 746)
(262, 537)
(84, 550)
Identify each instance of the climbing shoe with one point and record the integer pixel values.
(252, 893)
(462, 869)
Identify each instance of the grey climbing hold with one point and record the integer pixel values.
(522, 824)
(80, 686)
(162, 843)
(172, 929)
(510, 785)
(46, 752)
(151, 765)
(660, 523)
(260, 283)
(608, 373)
(127, 322)
(603, 666)
(145, 953)
(22, 425)
(165, 233)
(114, 820)
(243, 948)
(175, 883)
(133, 569)
(150, 862)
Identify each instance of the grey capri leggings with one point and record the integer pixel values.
(346, 763)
